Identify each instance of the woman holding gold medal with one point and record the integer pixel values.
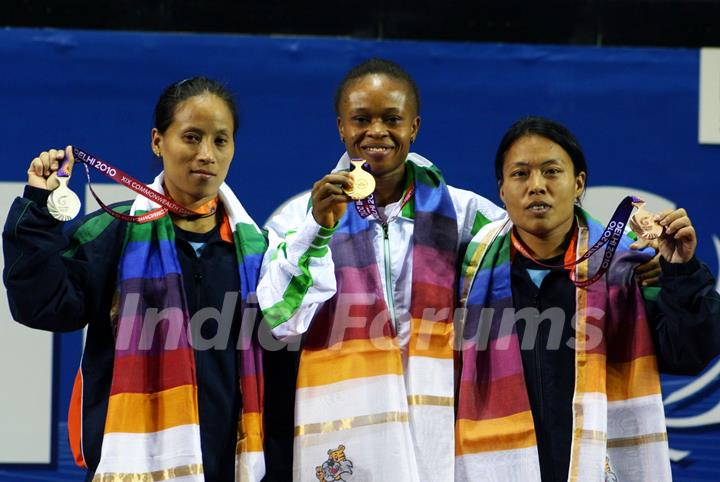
(369, 284)
(169, 385)
(541, 397)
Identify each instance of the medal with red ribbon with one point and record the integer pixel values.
(166, 204)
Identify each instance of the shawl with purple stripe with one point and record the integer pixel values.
(152, 425)
(618, 418)
(350, 347)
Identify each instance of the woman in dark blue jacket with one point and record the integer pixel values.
(168, 381)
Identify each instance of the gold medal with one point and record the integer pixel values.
(643, 223)
(363, 181)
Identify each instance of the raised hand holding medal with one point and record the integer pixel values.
(63, 204)
(46, 172)
(50, 170)
(328, 198)
(676, 241)
(646, 226)
(331, 194)
(671, 231)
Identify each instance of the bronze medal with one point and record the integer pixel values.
(643, 223)
(363, 182)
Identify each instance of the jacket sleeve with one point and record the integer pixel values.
(685, 316)
(298, 273)
(54, 276)
(473, 213)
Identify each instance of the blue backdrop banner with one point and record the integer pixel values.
(635, 112)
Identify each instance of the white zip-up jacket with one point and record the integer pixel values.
(298, 273)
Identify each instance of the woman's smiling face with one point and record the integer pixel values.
(378, 121)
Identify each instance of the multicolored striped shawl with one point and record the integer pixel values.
(619, 423)
(355, 402)
(152, 427)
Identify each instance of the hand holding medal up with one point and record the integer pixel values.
(331, 194)
(670, 232)
(51, 170)
(48, 172)
(329, 201)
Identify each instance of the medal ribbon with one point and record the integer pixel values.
(166, 204)
(611, 236)
(366, 207)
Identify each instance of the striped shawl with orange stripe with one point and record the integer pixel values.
(391, 420)
(618, 418)
(152, 425)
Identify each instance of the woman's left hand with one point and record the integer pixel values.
(678, 241)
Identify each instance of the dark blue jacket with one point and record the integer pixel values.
(685, 323)
(57, 293)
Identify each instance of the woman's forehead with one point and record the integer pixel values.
(536, 148)
(373, 91)
(377, 81)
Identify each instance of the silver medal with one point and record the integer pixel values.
(63, 204)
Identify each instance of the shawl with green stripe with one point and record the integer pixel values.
(354, 393)
(618, 418)
(152, 425)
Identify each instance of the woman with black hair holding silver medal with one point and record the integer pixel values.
(561, 354)
(169, 383)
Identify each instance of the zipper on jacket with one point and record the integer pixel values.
(388, 276)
